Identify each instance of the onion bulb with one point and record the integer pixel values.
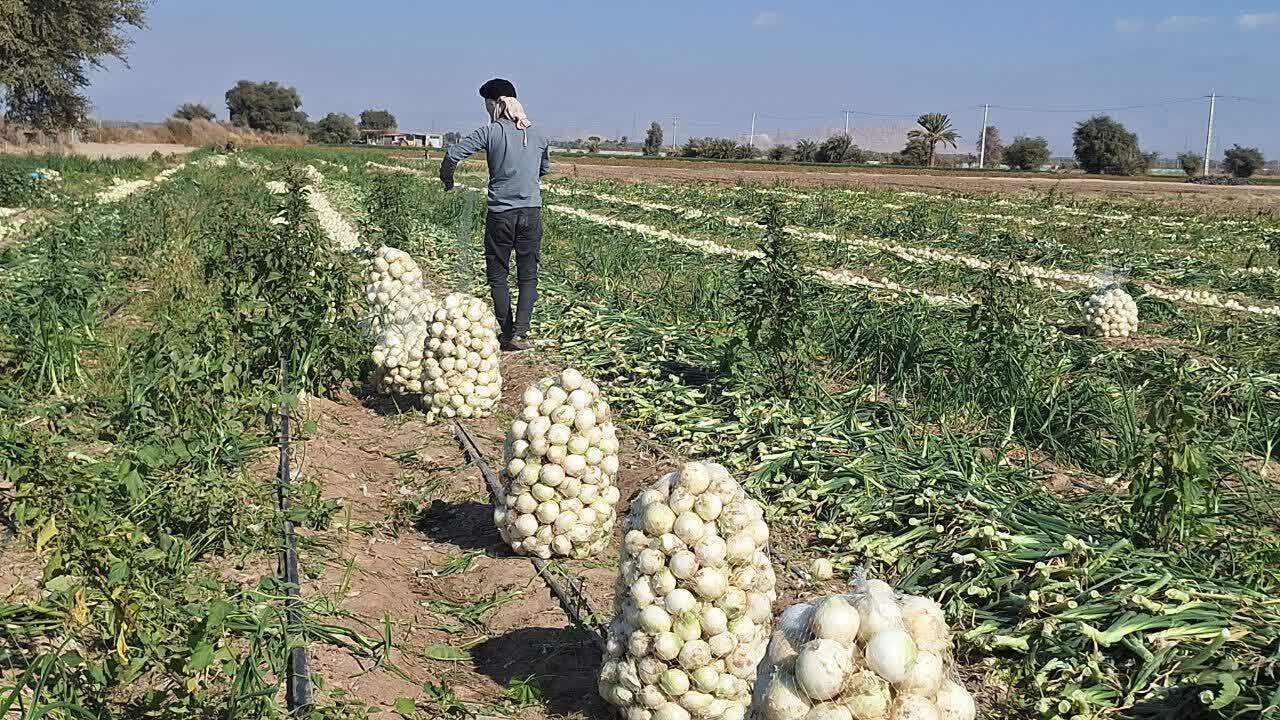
(820, 669)
(913, 707)
(954, 702)
(925, 676)
(867, 695)
(890, 653)
(783, 700)
(835, 619)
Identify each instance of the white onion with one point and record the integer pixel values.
(835, 619)
(710, 584)
(867, 695)
(680, 601)
(674, 682)
(954, 702)
(925, 675)
(926, 623)
(782, 699)
(890, 654)
(683, 565)
(913, 707)
(688, 527)
(658, 519)
(653, 619)
(820, 669)
(714, 620)
(666, 646)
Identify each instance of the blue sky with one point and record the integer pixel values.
(590, 67)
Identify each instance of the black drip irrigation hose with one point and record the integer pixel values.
(298, 675)
(570, 595)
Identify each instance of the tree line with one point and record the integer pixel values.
(1100, 144)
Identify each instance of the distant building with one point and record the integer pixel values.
(401, 138)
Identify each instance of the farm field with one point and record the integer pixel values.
(903, 379)
(1257, 197)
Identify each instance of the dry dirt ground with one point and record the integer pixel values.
(1257, 197)
(414, 511)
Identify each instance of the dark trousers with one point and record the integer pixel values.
(519, 229)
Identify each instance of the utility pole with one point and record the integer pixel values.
(674, 142)
(982, 147)
(1208, 134)
(846, 121)
(751, 142)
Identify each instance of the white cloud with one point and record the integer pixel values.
(1126, 25)
(767, 19)
(1258, 21)
(1180, 23)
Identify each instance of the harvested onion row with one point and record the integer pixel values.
(693, 602)
(868, 655)
(562, 458)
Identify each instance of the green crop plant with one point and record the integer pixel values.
(775, 310)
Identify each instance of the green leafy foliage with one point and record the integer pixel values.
(653, 139)
(267, 106)
(377, 120)
(49, 49)
(335, 129)
(1172, 494)
(774, 312)
(1191, 163)
(839, 148)
(194, 111)
(1027, 153)
(934, 128)
(1242, 162)
(1103, 145)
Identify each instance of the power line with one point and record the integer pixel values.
(1161, 103)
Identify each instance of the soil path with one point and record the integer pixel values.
(414, 549)
(1257, 197)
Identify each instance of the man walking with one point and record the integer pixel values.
(518, 158)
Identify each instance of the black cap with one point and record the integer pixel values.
(497, 88)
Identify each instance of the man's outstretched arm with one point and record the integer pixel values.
(460, 151)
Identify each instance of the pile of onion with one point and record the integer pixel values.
(398, 356)
(693, 602)
(562, 458)
(460, 367)
(869, 655)
(396, 294)
(1111, 312)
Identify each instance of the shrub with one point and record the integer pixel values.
(1105, 146)
(1190, 163)
(1242, 162)
(194, 111)
(1027, 153)
(780, 152)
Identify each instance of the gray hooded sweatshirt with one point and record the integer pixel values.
(517, 161)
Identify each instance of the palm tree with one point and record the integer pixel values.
(935, 128)
(806, 151)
